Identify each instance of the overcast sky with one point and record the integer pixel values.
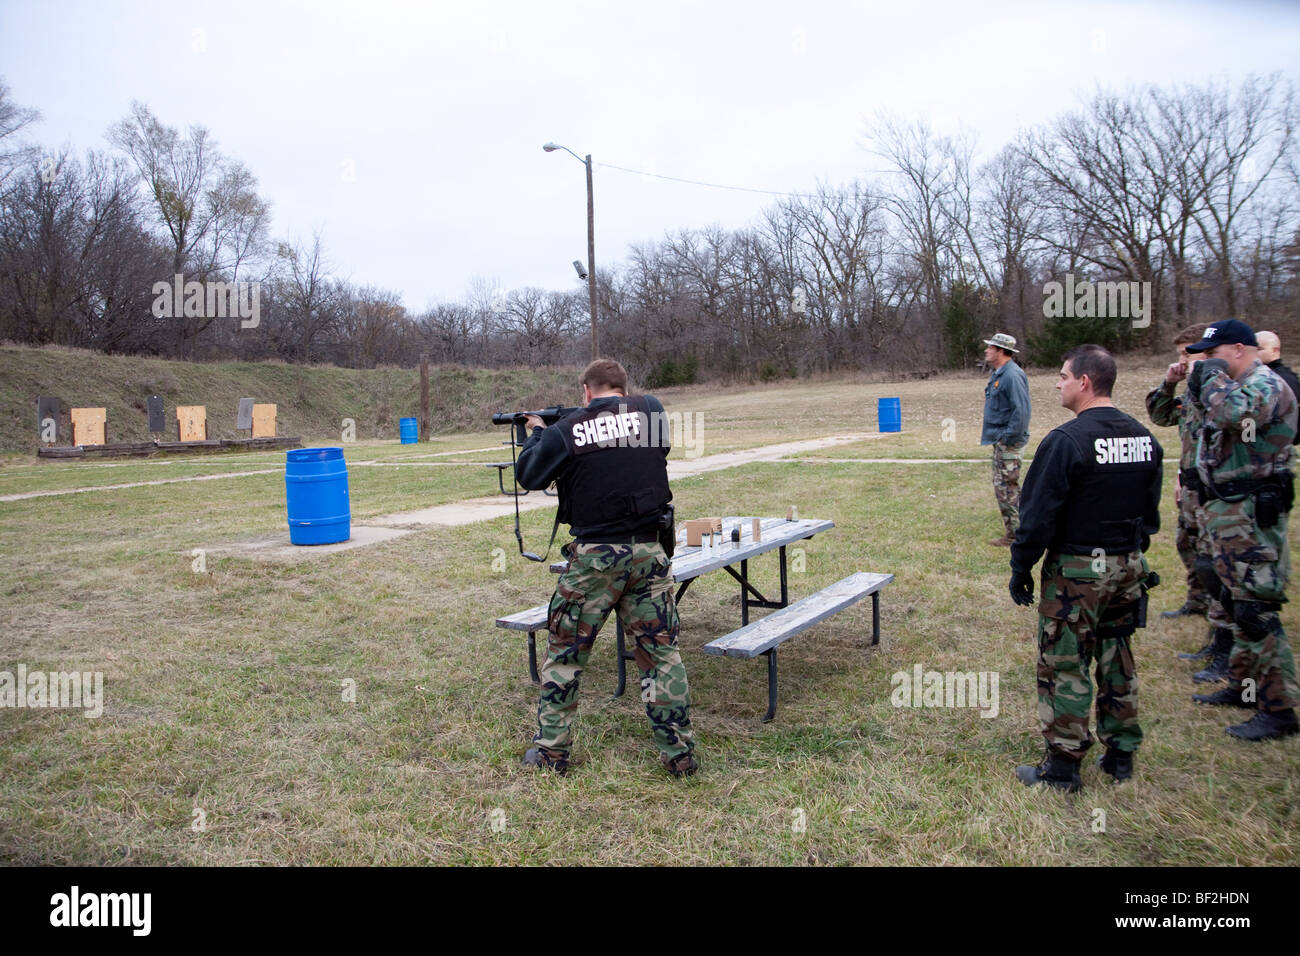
(411, 133)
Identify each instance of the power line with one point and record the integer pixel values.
(696, 182)
(791, 195)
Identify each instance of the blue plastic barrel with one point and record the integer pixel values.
(316, 493)
(890, 413)
(410, 431)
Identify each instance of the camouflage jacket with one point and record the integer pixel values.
(1166, 408)
(1248, 425)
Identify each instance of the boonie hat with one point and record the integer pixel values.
(1225, 332)
(1003, 341)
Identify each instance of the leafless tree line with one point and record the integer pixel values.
(1193, 189)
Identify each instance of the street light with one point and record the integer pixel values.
(591, 239)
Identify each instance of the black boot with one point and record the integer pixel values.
(1225, 697)
(1267, 725)
(1221, 651)
(1187, 610)
(1117, 763)
(1205, 651)
(537, 757)
(683, 765)
(1056, 771)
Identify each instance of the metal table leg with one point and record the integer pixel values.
(771, 685)
(875, 618)
(785, 590)
(744, 593)
(532, 657)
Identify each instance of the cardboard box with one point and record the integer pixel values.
(696, 528)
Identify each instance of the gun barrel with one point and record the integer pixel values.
(548, 415)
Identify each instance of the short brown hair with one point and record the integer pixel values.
(604, 375)
(1096, 363)
(1192, 333)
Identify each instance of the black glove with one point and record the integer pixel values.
(1022, 588)
(1199, 373)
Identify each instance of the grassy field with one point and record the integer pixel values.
(227, 735)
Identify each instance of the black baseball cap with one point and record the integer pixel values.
(1225, 332)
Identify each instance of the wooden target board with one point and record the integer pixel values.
(88, 426)
(192, 422)
(263, 421)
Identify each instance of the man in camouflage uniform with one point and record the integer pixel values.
(1091, 502)
(1244, 461)
(608, 462)
(1006, 428)
(1169, 409)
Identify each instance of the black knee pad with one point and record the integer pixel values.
(1209, 580)
(1256, 618)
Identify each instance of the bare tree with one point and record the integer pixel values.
(452, 332)
(309, 298)
(924, 173)
(369, 327)
(75, 262)
(842, 237)
(1009, 220)
(1247, 140)
(14, 153)
(206, 205)
(1106, 199)
(538, 322)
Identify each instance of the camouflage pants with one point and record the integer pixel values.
(1006, 484)
(634, 581)
(1088, 613)
(1214, 611)
(1253, 564)
(1189, 529)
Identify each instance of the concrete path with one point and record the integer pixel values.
(892, 461)
(391, 463)
(686, 467)
(277, 548)
(497, 506)
(386, 527)
(139, 484)
(381, 528)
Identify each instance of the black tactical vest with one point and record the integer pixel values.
(1108, 493)
(617, 481)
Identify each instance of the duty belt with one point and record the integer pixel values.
(1240, 487)
(1121, 536)
(647, 537)
(1190, 479)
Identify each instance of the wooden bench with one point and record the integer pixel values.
(766, 635)
(532, 620)
(759, 637)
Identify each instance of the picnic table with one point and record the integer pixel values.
(761, 637)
